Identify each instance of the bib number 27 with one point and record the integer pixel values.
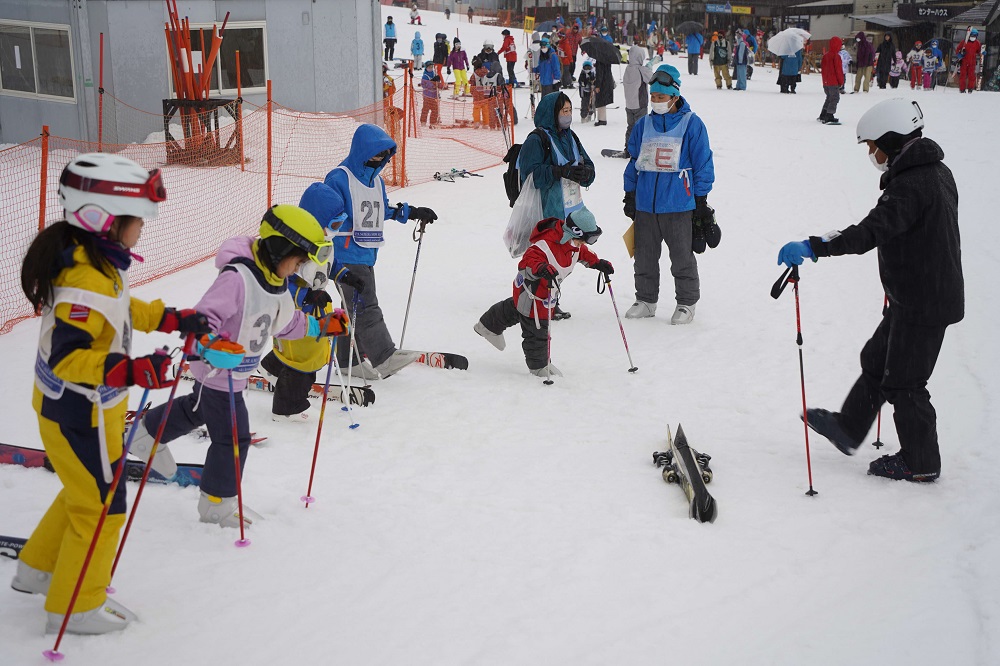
(371, 212)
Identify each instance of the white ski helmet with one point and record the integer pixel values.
(488, 44)
(897, 116)
(94, 188)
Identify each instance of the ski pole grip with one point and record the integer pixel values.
(779, 286)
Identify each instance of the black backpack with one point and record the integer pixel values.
(511, 178)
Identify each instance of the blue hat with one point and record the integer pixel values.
(582, 225)
(667, 83)
(974, 32)
(325, 204)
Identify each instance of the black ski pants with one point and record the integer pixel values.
(534, 339)
(895, 365)
(291, 390)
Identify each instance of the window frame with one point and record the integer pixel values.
(225, 92)
(31, 25)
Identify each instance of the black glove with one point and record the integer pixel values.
(579, 173)
(546, 271)
(604, 266)
(352, 280)
(317, 298)
(630, 205)
(559, 171)
(425, 215)
(701, 208)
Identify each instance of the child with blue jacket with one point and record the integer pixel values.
(417, 51)
(358, 181)
(669, 175)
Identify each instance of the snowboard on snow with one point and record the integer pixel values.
(187, 474)
(11, 546)
(689, 469)
(360, 395)
(443, 360)
(621, 154)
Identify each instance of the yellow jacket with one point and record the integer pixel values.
(85, 332)
(303, 354)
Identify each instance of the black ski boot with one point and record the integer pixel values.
(894, 467)
(828, 424)
(559, 315)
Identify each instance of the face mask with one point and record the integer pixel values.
(565, 122)
(545, 49)
(972, 38)
(661, 107)
(880, 167)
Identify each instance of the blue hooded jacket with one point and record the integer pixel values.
(665, 192)
(533, 158)
(694, 42)
(417, 45)
(327, 206)
(368, 141)
(549, 70)
(791, 65)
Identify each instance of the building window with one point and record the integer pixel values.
(36, 60)
(250, 39)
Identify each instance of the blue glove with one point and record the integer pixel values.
(794, 253)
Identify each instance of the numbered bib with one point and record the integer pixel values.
(572, 197)
(661, 151)
(367, 211)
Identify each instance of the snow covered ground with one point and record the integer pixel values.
(480, 517)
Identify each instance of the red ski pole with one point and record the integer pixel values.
(243, 541)
(188, 346)
(791, 276)
(308, 498)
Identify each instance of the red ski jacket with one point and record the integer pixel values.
(832, 66)
(531, 292)
(508, 50)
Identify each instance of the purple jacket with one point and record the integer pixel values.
(866, 52)
(223, 305)
(458, 59)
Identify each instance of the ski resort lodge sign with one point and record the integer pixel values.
(928, 13)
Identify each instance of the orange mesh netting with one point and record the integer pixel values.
(217, 167)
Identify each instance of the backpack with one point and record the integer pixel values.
(511, 178)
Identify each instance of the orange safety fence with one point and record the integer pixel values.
(218, 171)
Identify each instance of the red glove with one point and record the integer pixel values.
(146, 371)
(185, 321)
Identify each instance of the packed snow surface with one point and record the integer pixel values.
(481, 517)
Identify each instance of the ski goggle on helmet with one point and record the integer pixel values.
(588, 237)
(299, 228)
(95, 188)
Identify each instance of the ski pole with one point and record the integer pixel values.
(243, 540)
(54, 654)
(418, 236)
(308, 498)
(791, 275)
(553, 296)
(878, 428)
(188, 346)
(350, 357)
(607, 282)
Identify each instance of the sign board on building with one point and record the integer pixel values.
(737, 9)
(716, 9)
(928, 13)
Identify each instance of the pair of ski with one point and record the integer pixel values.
(689, 469)
(187, 474)
(450, 176)
(360, 395)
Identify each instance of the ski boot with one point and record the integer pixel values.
(894, 467)
(827, 424)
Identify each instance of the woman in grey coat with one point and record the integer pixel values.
(635, 81)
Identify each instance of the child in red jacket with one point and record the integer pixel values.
(556, 247)
(832, 68)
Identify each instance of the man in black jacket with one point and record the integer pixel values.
(915, 228)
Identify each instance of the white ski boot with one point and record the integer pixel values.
(546, 371)
(142, 445)
(399, 360)
(109, 616)
(495, 339)
(641, 310)
(302, 418)
(31, 580)
(225, 511)
(683, 314)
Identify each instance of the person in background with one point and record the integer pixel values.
(865, 58)
(929, 65)
(440, 59)
(586, 88)
(415, 15)
(913, 59)
(471, 13)
(832, 70)
(884, 55)
(636, 83)
(845, 59)
(417, 51)
(458, 61)
(741, 60)
(898, 66)
(914, 229)
(970, 50)
(789, 72)
(430, 85)
(694, 44)
(547, 68)
(390, 39)
(509, 52)
(604, 91)
(720, 51)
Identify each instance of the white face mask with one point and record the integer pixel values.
(661, 107)
(545, 49)
(972, 38)
(881, 167)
